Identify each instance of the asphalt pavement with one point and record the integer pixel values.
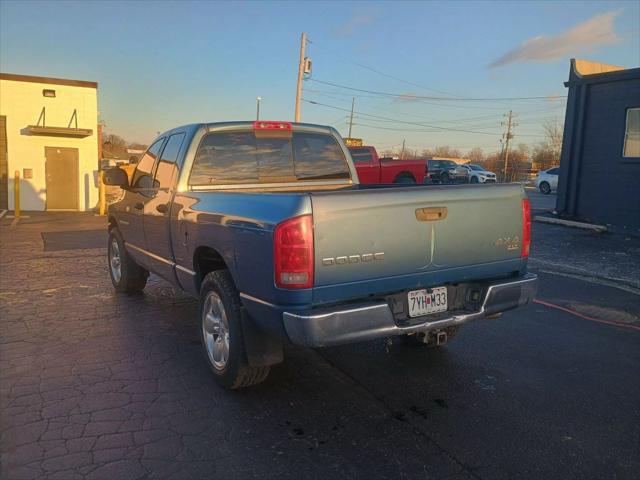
(98, 385)
(539, 201)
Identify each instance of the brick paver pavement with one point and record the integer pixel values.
(97, 385)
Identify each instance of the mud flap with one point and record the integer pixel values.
(263, 349)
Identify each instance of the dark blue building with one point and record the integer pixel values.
(600, 162)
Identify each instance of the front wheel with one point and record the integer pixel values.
(474, 180)
(221, 333)
(126, 275)
(545, 188)
(445, 178)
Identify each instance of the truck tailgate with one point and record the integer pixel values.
(368, 234)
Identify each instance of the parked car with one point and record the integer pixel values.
(477, 174)
(547, 180)
(267, 224)
(373, 169)
(446, 171)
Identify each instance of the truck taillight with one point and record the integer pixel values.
(526, 228)
(293, 252)
(271, 125)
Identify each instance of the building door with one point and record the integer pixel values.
(61, 169)
(4, 165)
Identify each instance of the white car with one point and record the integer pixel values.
(547, 180)
(477, 174)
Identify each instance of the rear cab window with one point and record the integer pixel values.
(361, 155)
(254, 157)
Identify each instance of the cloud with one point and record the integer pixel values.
(584, 37)
(357, 20)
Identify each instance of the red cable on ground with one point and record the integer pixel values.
(592, 319)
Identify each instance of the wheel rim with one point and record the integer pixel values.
(215, 331)
(115, 261)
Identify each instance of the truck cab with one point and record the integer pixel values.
(374, 170)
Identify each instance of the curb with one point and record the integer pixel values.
(570, 223)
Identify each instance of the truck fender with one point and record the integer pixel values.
(262, 348)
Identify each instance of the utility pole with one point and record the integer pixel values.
(508, 136)
(402, 152)
(353, 102)
(303, 42)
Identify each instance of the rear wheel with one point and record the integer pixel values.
(221, 333)
(126, 275)
(404, 178)
(545, 188)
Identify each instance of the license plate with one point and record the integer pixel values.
(422, 302)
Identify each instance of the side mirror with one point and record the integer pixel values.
(116, 177)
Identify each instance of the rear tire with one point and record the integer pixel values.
(221, 333)
(126, 275)
(545, 188)
(404, 178)
(416, 339)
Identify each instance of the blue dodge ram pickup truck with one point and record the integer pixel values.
(267, 224)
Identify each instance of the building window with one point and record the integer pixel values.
(632, 133)
(49, 93)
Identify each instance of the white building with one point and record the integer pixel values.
(49, 134)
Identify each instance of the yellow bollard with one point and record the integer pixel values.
(16, 194)
(103, 194)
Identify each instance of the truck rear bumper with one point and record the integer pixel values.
(366, 321)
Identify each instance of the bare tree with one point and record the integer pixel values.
(446, 151)
(553, 132)
(476, 155)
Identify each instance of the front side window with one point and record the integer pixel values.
(247, 157)
(167, 168)
(632, 134)
(143, 177)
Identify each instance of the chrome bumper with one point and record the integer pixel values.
(366, 321)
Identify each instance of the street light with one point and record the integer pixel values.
(258, 99)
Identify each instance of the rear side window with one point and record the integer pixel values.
(243, 157)
(361, 155)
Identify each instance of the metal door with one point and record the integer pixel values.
(61, 170)
(157, 211)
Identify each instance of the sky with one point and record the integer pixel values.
(428, 73)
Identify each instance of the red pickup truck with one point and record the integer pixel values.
(373, 169)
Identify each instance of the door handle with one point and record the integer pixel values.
(431, 214)
(138, 206)
(162, 208)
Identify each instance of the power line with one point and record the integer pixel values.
(395, 120)
(371, 69)
(412, 96)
